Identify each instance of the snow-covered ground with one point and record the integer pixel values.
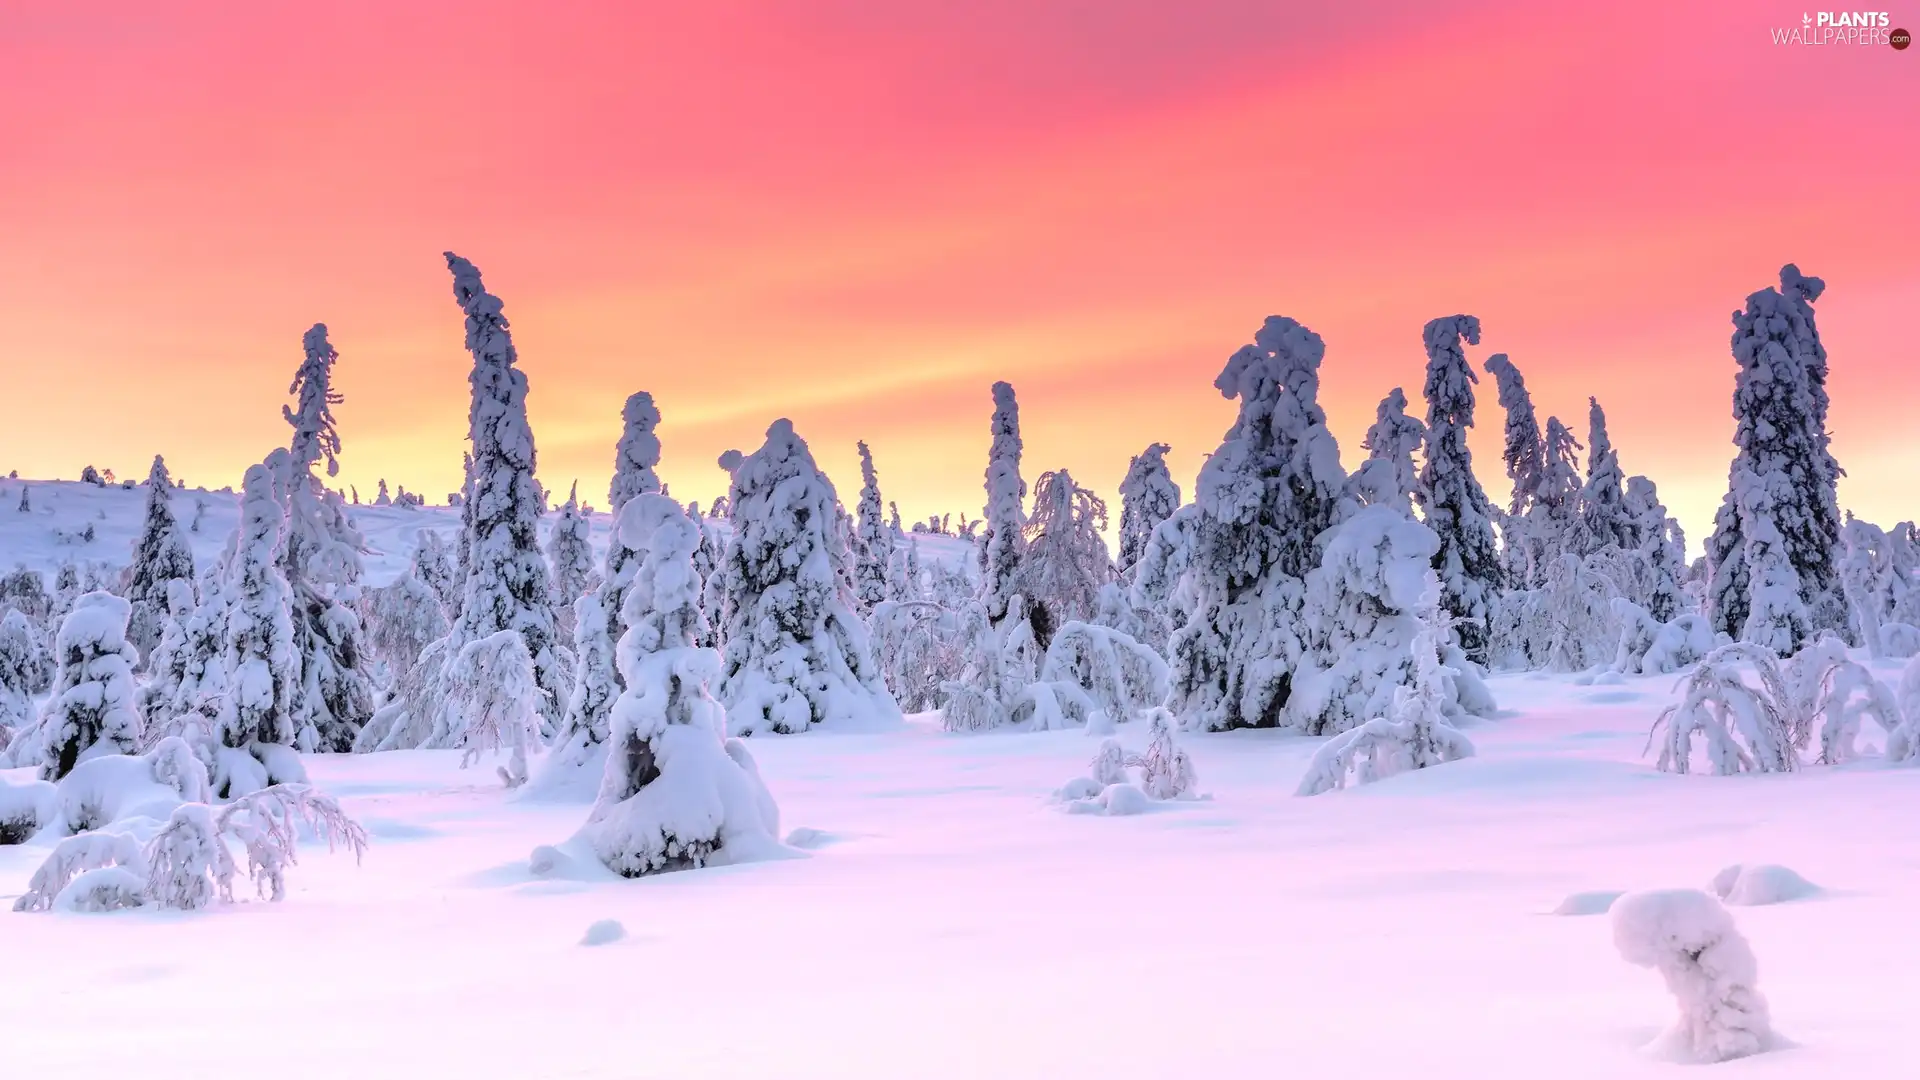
(948, 921)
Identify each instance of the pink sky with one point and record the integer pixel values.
(860, 214)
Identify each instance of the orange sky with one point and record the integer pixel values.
(860, 213)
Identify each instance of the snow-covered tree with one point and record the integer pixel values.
(675, 795)
(25, 670)
(1064, 563)
(26, 500)
(1784, 472)
(160, 556)
(1661, 545)
(1000, 549)
(569, 559)
(1388, 477)
(492, 704)
(256, 722)
(582, 738)
(315, 438)
(506, 587)
(1603, 497)
(403, 618)
(1524, 452)
(1451, 499)
(637, 453)
(187, 672)
(91, 712)
(795, 655)
(435, 570)
(1416, 734)
(1262, 502)
(873, 541)
(1148, 496)
(383, 498)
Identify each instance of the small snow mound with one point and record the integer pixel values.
(604, 932)
(1078, 788)
(1752, 886)
(1597, 902)
(1123, 799)
(546, 860)
(809, 839)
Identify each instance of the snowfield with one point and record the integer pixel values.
(947, 920)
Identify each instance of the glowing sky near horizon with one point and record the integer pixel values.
(860, 214)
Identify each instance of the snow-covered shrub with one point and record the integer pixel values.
(1117, 674)
(674, 794)
(1109, 764)
(24, 810)
(920, 647)
(26, 668)
(91, 712)
(1746, 728)
(1647, 646)
(1903, 744)
(403, 618)
(492, 704)
(107, 790)
(796, 655)
(74, 856)
(1416, 735)
(1691, 940)
(25, 590)
(1899, 640)
(1166, 772)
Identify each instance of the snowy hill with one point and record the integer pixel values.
(54, 530)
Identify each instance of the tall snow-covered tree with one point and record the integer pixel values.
(1006, 516)
(1603, 497)
(873, 540)
(1263, 500)
(1661, 545)
(506, 586)
(1148, 496)
(674, 794)
(796, 655)
(315, 438)
(569, 559)
(1524, 452)
(637, 453)
(256, 722)
(91, 712)
(1388, 477)
(1065, 562)
(160, 556)
(1451, 499)
(1783, 470)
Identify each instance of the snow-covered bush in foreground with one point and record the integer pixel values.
(675, 795)
(1691, 940)
(187, 864)
(24, 809)
(1763, 725)
(1417, 735)
(1166, 773)
(1648, 646)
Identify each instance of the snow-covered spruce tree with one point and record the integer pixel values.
(1662, 548)
(569, 559)
(1148, 496)
(637, 453)
(1262, 502)
(256, 723)
(796, 655)
(463, 542)
(581, 741)
(1416, 734)
(873, 541)
(1000, 547)
(383, 498)
(1451, 499)
(1783, 471)
(1603, 497)
(320, 552)
(1524, 452)
(506, 586)
(674, 795)
(25, 670)
(1555, 524)
(161, 555)
(435, 570)
(91, 712)
(1388, 476)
